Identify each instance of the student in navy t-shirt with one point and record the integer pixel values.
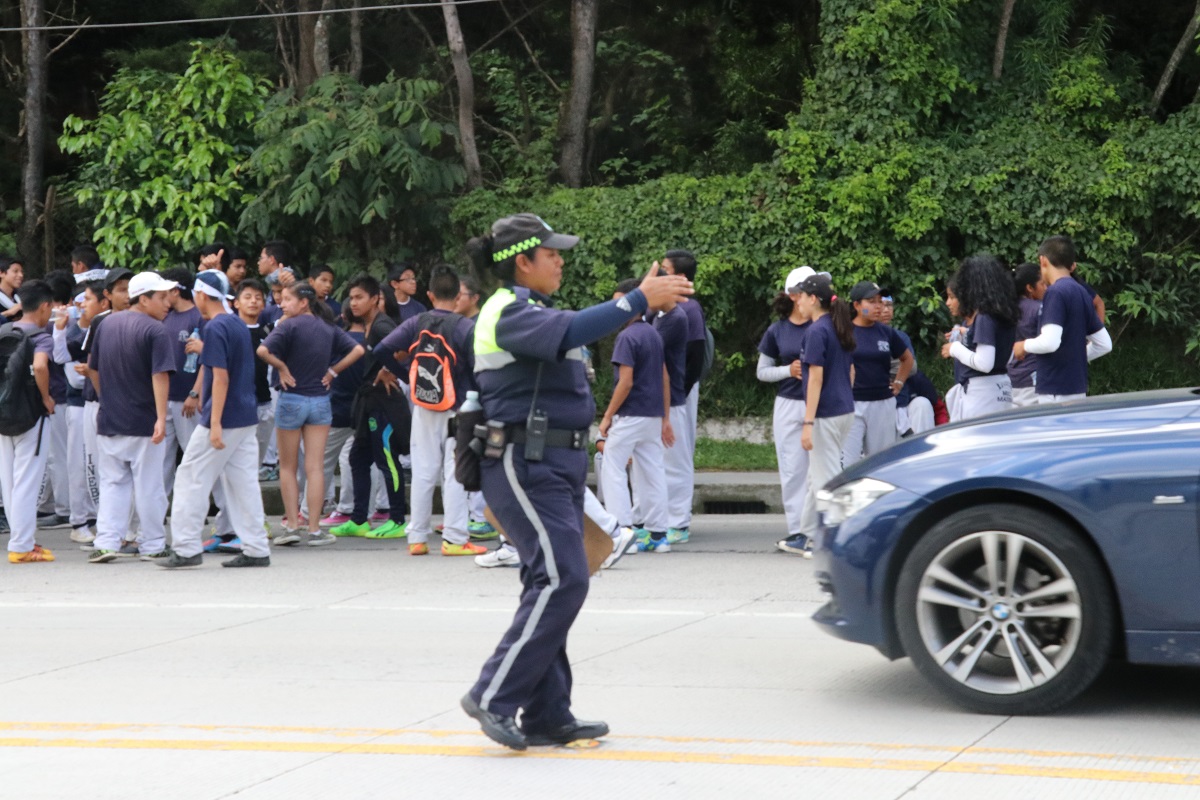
(131, 361)
(183, 395)
(779, 363)
(875, 389)
(223, 445)
(683, 455)
(672, 325)
(307, 351)
(637, 424)
(987, 302)
(431, 444)
(23, 457)
(1070, 335)
(1023, 373)
(827, 359)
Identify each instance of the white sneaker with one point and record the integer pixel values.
(83, 535)
(500, 557)
(621, 542)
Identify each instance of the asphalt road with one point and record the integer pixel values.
(337, 673)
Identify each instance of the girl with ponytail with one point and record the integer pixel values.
(308, 350)
(827, 358)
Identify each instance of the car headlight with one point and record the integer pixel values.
(840, 504)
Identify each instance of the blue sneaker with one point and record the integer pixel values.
(654, 546)
(212, 544)
(678, 535)
(481, 530)
(234, 545)
(797, 544)
(641, 536)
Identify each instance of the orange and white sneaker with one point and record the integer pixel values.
(418, 549)
(38, 553)
(466, 549)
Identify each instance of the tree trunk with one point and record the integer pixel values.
(306, 69)
(33, 174)
(356, 51)
(466, 95)
(574, 128)
(321, 65)
(1181, 49)
(1002, 39)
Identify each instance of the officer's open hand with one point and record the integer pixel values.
(664, 290)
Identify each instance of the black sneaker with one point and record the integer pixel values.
(46, 521)
(160, 556)
(3, 523)
(176, 561)
(796, 544)
(247, 561)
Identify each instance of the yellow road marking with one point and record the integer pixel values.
(598, 754)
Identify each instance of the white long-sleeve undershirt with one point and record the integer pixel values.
(1048, 341)
(768, 372)
(1099, 343)
(981, 359)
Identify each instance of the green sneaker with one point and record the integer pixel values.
(351, 528)
(482, 530)
(678, 535)
(641, 535)
(388, 530)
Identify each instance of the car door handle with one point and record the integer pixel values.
(1168, 500)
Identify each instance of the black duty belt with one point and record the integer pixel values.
(555, 437)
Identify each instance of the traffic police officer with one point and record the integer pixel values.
(533, 386)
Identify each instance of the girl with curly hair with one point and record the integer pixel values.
(988, 305)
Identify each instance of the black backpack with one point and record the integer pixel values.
(20, 400)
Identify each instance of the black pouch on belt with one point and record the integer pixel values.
(468, 449)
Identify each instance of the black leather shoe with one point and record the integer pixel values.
(572, 732)
(501, 730)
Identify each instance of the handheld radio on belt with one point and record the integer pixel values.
(537, 424)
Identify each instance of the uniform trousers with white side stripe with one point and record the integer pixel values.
(787, 426)
(22, 467)
(82, 472)
(126, 461)
(540, 506)
(639, 438)
(432, 452)
(203, 466)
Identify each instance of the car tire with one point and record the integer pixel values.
(1005, 609)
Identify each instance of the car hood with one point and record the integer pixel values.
(1073, 423)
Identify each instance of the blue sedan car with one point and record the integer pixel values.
(1010, 557)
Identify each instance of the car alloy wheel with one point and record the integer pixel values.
(1005, 608)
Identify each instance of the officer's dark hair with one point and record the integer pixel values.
(96, 290)
(236, 254)
(479, 251)
(1059, 251)
(683, 262)
(317, 270)
(35, 294)
(783, 305)
(62, 286)
(184, 277)
(1025, 277)
(250, 283)
(397, 268)
(363, 281)
(626, 286)
(443, 282)
(85, 254)
(213, 249)
(306, 293)
(983, 286)
(279, 250)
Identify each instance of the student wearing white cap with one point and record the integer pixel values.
(224, 443)
(779, 363)
(130, 362)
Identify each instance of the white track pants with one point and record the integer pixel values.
(639, 438)
(433, 461)
(1045, 399)
(91, 445)
(680, 464)
(126, 461)
(594, 510)
(22, 467)
(202, 467)
(82, 471)
(874, 429)
(986, 395)
(787, 426)
(920, 415)
(179, 433)
(1024, 397)
(824, 462)
(55, 489)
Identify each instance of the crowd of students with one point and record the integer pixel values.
(847, 383)
(190, 384)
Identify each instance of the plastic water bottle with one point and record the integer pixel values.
(193, 360)
(471, 403)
